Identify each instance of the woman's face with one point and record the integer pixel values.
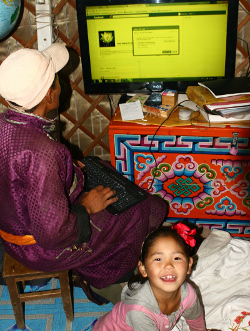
(55, 94)
(50, 101)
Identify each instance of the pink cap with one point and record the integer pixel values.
(27, 74)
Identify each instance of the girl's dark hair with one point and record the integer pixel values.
(162, 232)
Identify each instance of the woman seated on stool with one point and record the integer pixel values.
(47, 220)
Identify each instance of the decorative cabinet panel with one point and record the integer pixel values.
(191, 168)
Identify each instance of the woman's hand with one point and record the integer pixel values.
(98, 199)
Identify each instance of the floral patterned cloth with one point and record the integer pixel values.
(241, 323)
(223, 277)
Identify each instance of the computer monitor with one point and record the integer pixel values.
(136, 46)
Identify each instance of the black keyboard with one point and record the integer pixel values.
(98, 172)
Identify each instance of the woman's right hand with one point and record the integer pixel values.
(98, 199)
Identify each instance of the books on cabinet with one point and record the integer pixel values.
(233, 107)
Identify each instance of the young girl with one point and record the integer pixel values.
(158, 295)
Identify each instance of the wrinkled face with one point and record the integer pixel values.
(166, 266)
(55, 94)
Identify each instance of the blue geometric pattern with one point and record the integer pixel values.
(134, 143)
(48, 314)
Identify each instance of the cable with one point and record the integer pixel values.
(150, 147)
(41, 16)
(111, 105)
(151, 143)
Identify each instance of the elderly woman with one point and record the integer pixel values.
(47, 221)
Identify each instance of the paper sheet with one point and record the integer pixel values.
(131, 111)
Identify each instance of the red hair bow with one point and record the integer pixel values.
(186, 233)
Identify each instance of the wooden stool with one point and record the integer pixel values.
(15, 274)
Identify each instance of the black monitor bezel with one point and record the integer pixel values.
(120, 88)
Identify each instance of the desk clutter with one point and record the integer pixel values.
(145, 107)
(156, 104)
(210, 105)
(225, 100)
(160, 116)
(138, 110)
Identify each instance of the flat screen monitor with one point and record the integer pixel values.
(133, 46)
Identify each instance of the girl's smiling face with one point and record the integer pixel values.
(166, 266)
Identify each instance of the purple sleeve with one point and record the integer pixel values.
(48, 180)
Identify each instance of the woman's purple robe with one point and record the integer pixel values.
(36, 198)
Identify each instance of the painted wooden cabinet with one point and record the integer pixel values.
(190, 167)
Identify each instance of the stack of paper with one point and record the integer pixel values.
(219, 119)
(236, 106)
